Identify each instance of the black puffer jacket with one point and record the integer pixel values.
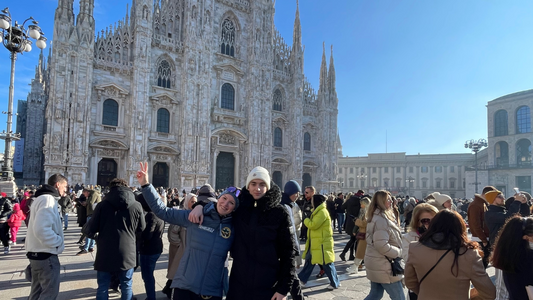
(263, 250)
(353, 207)
(117, 219)
(5, 209)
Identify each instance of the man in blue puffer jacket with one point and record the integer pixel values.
(200, 272)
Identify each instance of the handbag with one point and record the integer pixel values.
(360, 236)
(434, 266)
(396, 266)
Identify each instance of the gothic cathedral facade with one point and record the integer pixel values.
(204, 90)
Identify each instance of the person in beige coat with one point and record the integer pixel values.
(361, 244)
(460, 262)
(384, 243)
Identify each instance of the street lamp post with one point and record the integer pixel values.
(16, 39)
(360, 177)
(409, 181)
(476, 146)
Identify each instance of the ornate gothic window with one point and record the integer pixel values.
(500, 123)
(501, 151)
(227, 41)
(277, 177)
(523, 120)
(307, 141)
(110, 113)
(277, 101)
(278, 137)
(164, 73)
(228, 97)
(163, 120)
(523, 153)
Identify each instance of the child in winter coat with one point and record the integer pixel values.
(14, 222)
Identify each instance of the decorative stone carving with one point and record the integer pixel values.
(226, 138)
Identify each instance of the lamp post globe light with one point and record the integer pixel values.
(361, 177)
(476, 146)
(16, 39)
(409, 181)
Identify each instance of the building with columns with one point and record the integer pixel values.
(204, 90)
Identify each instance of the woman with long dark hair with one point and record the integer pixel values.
(513, 254)
(444, 261)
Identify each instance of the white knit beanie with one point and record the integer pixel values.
(259, 173)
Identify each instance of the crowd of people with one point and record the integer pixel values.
(419, 244)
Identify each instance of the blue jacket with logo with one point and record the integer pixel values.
(201, 268)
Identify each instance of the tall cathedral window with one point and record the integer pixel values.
(277, 101)
(110, 115)
(164, 73)
(277, 177)
(307, 141)
(227, 41)
(278, 137)
(228, 97)
(163, 120)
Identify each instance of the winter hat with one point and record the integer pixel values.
(188, 198)
(491, 196)
(318, 199)
(259, 173)
(442, 198)
(292, 187)
(16, 207)
(233, 192)
(207, 192)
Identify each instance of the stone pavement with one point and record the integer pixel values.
(78, 279)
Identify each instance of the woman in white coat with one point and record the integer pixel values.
(384, 243)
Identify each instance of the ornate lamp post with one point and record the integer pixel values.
(360, 177)
(16, 39)
(409, 181)
(476, 146)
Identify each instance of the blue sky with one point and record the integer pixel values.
(417, 72)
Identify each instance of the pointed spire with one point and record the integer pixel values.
(331, 73)
(297, 33)
(127, 19)
(323, 71)
(65, 12)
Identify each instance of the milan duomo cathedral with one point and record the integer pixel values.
(204, 90)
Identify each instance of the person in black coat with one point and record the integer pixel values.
(352, 207)
(117, 219)
(151, 247)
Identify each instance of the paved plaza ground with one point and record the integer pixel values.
(78, 279)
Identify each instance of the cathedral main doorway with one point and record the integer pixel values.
(160, 177)
(307, 181)
(225, 175)
(107, 171)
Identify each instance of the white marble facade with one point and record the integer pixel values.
(201, 89)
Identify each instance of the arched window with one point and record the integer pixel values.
(277, 101)
(164, 74)
(501, 153)
(228, 97)
(277, 177)
(523, 153)
(307, 180)
(500, 123)
(227, 41)
(278, 137)
(523, 120)
(160, 177)
(163, 120)
(307, 141)
(110, 113)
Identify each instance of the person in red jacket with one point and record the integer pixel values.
(14, 222)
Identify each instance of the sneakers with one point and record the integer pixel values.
(6, 250)
(321, 274)
(82, 252)
(91, 249)
(114, 292)
(331, 288)
(352, 270)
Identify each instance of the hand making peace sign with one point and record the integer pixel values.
(142, 174)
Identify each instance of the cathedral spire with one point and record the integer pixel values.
(65, 12)
(323, 71)
(85, 20)
(39, 70)
(297, 33)
(331, 74)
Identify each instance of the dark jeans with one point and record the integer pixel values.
(350, 245)
(4, 234)
(303, 234)
(104, 279)
(340, 221)
(147, 273)
(486, 253)
(413, 296)
(296, 289)
(188, 295)
(45, 278)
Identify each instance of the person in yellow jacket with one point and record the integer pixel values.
(319, 244)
